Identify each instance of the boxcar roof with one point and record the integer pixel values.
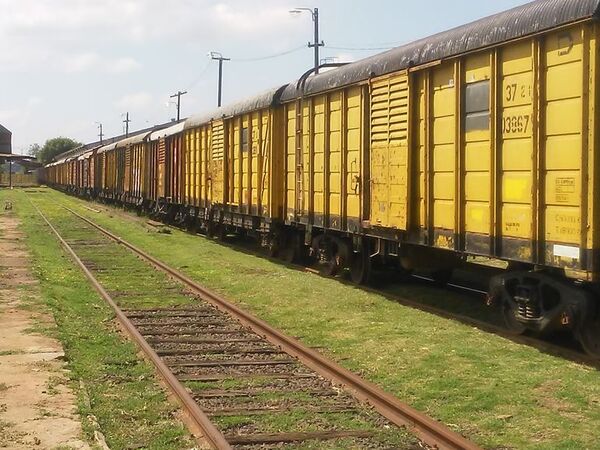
(260, 101)
(177, 128)
(515, 23)
(108, 147)
(136, 139)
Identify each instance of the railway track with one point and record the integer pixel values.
(568, 351)
(241, 382)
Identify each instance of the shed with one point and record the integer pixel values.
(5, 140)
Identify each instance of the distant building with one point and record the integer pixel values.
(5, 140)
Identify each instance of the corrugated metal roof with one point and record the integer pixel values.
(96, 145)
(136, 139)
(107, 148)
(178, 128)
(515, 23)
(260, 101)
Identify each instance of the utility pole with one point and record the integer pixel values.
(219, 57)
(178, 95)
(101, 134)
(126, 122)
(315, 16)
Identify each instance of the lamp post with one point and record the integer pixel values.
(315, 17)
(219, 57)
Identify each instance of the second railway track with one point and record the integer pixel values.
(242, 382)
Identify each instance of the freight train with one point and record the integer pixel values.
(482, 140)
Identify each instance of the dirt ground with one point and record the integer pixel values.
(37, 407)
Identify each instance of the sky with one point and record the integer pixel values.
(67, 65)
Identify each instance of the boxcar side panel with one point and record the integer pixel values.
(563, 62)
(477, 153)
(443, 123)
(389, 151)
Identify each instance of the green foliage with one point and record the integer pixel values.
(54, 147)
(34, 150)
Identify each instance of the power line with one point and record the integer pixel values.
(200, 75)
(359, 49)
(205, 69)
(275, 55)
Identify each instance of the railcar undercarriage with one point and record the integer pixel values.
(544, 302)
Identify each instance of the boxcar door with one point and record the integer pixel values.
(389, 151)
(216, 164)
(161, 170)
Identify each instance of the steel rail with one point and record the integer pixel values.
(427, 429)
(210, 433)
(542, 345)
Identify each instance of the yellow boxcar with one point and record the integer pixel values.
(477, 141)
(167, 148)
(481, 146)
(324, 137)
(232, 166)
(134, 150)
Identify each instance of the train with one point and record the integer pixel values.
(478, 141)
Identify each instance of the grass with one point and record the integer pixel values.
(124, 395)
(494, 391)
(136, 286)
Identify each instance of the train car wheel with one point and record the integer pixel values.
(360, 269)
(509, 309)
(210, 230)
(330, 259)
(329, 268)
(273, 246)
(589, 337)
(222, 233)
(290, 250)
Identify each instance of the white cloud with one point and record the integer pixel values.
(35, 33)
(8, 115)
(16, 118)
(135, 102)
(79, 53)
(248, 19)
(83, 62)
(123, 65)
(78, 63)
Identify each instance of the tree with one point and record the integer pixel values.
(54, 147)
(34, 150)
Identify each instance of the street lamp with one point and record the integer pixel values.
(219, 57)
(315, 16)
